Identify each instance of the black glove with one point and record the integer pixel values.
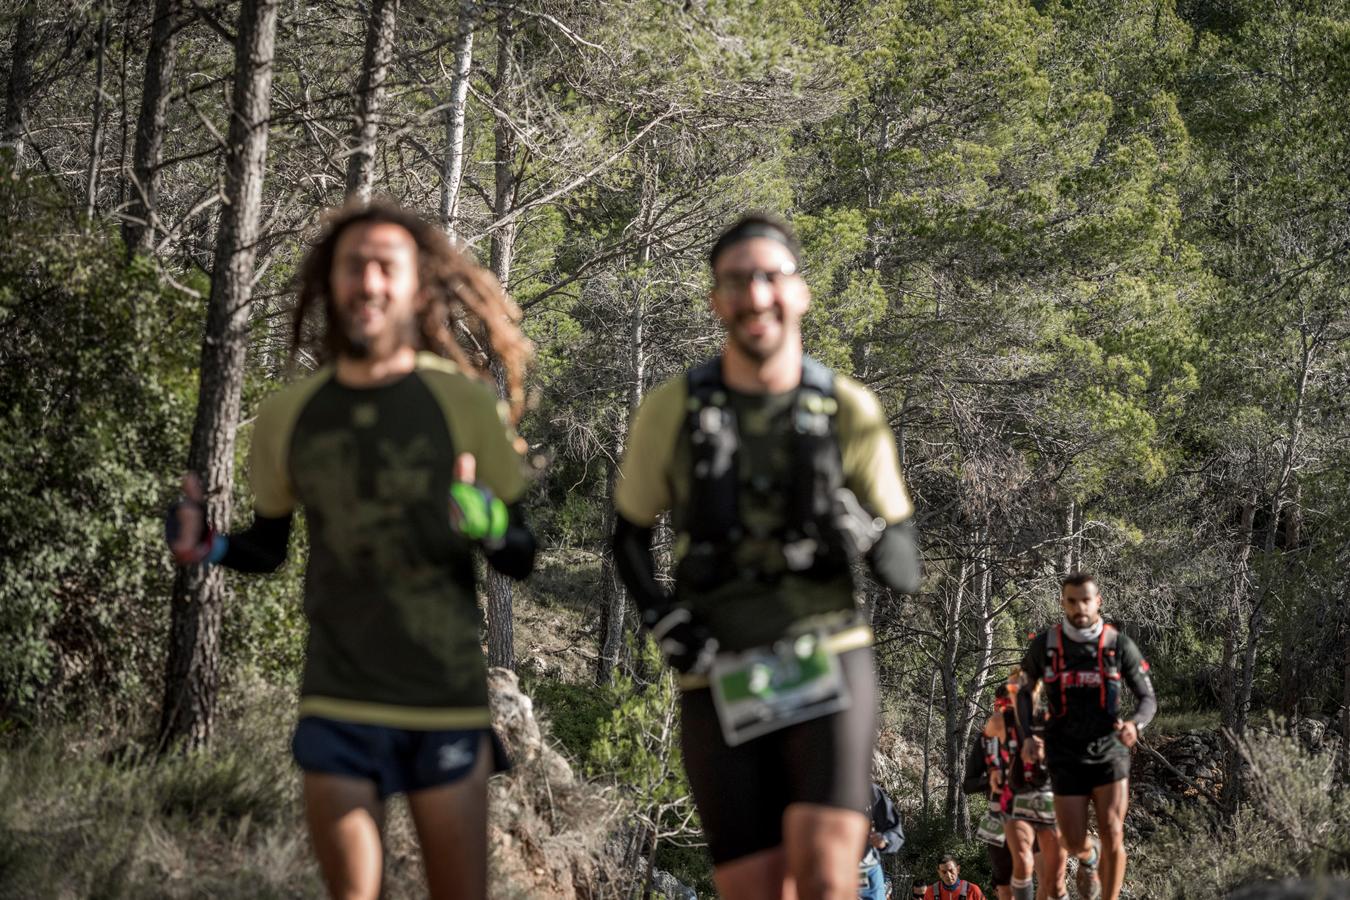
(685, 642)
(204, 546)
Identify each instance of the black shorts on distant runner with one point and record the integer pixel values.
(741, 792)
(397, 760)
(1000, 865)
(1078, 778)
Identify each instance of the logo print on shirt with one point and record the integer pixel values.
(456, 755)
(365, 415)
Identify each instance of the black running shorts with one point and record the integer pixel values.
(396, 760)
(1078, 778)
(1000, 864)
(741, 792)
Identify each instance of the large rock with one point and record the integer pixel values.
(547, 828)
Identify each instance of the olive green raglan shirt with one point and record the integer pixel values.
(751, 611)
(389, 586)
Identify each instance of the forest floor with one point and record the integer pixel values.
(85, 811)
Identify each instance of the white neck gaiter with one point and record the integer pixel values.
(1084, 635)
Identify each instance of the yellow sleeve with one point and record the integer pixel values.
(478, 424)
(643, 489)
(269, 463)
(871, 461)
(500, 465)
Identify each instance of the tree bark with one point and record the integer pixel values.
(614, 608)
(370, 93)
(455, 117)
(193, 667)
(501, 631)
(141, 222)
(952, 707)
(1278, 501)
(928, 744)
(96, 138)
(1242, 553)
(19, 89)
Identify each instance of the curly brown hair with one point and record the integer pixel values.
(468, 317)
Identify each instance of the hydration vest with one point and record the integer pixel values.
(1107, 672)
(808, 539)
(962, 887)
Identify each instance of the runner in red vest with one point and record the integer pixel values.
(1086, 745)
(950, 885)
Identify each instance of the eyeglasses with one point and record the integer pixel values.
(739, 282)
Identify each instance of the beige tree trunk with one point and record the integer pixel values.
(192, 671)
(452, 173)
(370, 93)
(96, 137)
(140, 224)
(614, 597)
(501, 629)
(19, 88)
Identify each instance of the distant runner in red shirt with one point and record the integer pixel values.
(950, 885)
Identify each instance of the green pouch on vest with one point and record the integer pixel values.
(762, 690)
(1037, 808)
(991, 830)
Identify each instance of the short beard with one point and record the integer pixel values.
(760, 353)
(354, 345)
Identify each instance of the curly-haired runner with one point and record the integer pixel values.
(400, 452)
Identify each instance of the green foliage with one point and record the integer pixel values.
(96, 392)
(221, 823)
(575, 712)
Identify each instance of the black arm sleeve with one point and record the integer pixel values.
(1135, 674)
(886, 821)
(259, 548)
(515, 557)
(633, 558)
(976, 782)
(895, 560)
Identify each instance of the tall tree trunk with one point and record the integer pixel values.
(1293, 664)
(1071, 560)
(123, 129)
(140, 224)
(612, 594)
(1267, 571)
(1278, 501)
(926, 787)
(614, 602)
(19, 89)
(979, 677)
(455, 117)
(193, 667)
(952, 706)
(501, 630)
(370, 93)
(1237, 592)
(1345, 696)
(96, 138)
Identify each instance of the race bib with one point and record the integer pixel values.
(991, 830)
(1038, 808)
(760, 691)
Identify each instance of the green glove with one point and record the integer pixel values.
(476, 513)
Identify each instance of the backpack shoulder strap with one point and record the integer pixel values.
(710, 426)
(817, 377)
(965, 885)
(705, 378)
(817, 470)
(1108, 661)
